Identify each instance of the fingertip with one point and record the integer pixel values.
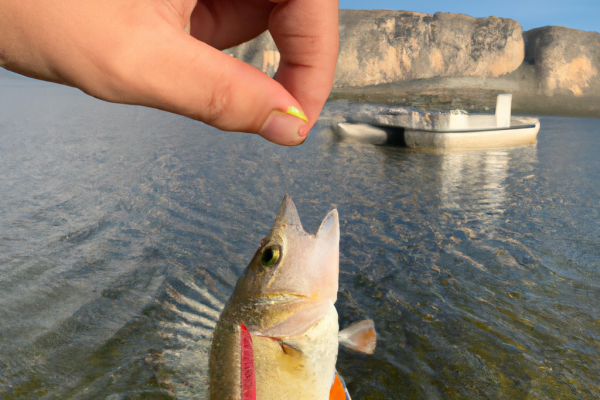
(213, 87)
(284, 129)
(307, 35)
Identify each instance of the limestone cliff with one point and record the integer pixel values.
(566, 61)
(454, 60)
(388, 46)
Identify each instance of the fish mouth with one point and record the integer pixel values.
(271, 298)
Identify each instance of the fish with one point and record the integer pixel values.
(278, 335)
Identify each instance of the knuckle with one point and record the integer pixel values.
(215, 111)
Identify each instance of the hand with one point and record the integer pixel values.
(140, 52)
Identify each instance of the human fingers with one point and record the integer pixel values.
(191, 78)
(307, 36)
(224, 24)
(141, 54)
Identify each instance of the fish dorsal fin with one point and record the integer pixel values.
(360, 336)
(288, 216)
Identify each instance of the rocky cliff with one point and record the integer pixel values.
(454, 60)
(389, 46)
(566, 61)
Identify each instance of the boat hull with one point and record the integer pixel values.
(512, 136)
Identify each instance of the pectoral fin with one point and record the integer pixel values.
(290, 350)
(360, 336)
(301, 321)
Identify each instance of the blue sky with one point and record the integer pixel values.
(578, 14)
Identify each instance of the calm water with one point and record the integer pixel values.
(123, 231)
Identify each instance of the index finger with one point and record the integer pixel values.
(307, 35)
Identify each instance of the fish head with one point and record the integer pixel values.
(292, 280)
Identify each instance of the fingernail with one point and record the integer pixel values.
(297, 113)
(284, 128)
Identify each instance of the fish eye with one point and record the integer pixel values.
(270, 256)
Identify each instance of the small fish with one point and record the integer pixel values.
(278, 335)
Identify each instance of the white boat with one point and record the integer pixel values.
(447, 130)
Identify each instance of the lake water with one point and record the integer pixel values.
(124, 229)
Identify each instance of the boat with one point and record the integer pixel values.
(455, 129)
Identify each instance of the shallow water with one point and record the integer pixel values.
(124, 229)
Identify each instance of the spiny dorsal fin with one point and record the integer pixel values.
(360, 336)
(288, 215)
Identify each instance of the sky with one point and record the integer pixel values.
(577, 14)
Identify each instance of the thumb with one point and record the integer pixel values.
(191, 78)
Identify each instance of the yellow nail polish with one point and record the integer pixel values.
(297, 113)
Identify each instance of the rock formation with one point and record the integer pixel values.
(455, 60)
(261, 53)
(389, 46)
(566, 61)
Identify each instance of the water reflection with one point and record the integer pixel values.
(124, 230)
(476, 181)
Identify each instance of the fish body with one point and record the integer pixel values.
(278, 336)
